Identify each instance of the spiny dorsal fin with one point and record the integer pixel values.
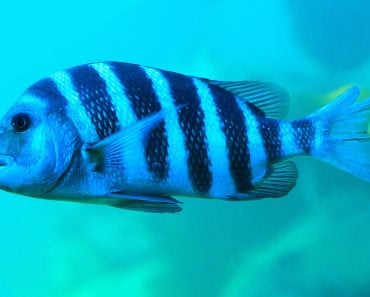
(281, 179)
(268, 97)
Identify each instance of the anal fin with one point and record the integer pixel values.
(278, 183)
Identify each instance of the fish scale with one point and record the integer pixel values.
(97, 101)
(191, 118)
(304, 131)
(48, 88)
(177, 153)
(269, 130)
(235, 130)
(144, 101)
(198, 162)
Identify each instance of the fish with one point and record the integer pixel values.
(137, 138)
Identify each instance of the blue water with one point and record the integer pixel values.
(314, 242)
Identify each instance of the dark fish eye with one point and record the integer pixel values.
(21, 122)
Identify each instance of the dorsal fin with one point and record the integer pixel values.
(268, 97)
(281, 179)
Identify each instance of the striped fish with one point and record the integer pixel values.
(134, 137)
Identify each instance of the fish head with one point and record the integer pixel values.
(36, 145)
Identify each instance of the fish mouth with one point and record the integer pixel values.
(6, 160)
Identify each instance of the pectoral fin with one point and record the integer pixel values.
(108, 152)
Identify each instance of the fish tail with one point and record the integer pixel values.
(341, 135)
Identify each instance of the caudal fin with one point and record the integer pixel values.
(342, 137)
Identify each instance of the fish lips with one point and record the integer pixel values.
(6, 160)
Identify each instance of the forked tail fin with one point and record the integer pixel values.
(342, 137)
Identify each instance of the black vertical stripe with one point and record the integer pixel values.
(233, 126)
(94, 96)
(191, 120)
(270, 132)
(144, 101)
(304, 134)
(47, 90)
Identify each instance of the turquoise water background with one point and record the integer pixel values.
(313, 242)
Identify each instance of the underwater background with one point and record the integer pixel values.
(313, 242)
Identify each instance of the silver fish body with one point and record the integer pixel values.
(133, 137)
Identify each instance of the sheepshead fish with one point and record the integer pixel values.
(134, 137)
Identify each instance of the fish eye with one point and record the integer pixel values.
(21, 122)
